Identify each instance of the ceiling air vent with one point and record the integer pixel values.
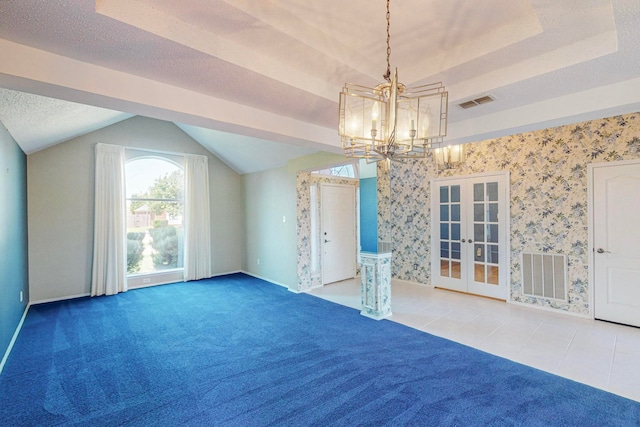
(477, 101)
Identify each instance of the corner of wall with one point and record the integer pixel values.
(14, 278)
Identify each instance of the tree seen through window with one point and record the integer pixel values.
(155, 211)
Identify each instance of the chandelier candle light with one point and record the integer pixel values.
(391, 121)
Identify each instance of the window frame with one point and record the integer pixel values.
(139, 280)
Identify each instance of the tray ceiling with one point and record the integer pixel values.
(235, 74)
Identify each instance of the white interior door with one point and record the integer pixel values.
(338, 232)
(616, 233)
(470, 234)
(449, 224)
(487, 240)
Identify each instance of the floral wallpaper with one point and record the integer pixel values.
(384, 204)
(308, 279)
(548, 190)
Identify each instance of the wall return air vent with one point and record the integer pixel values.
(478, 101)
(544, 275)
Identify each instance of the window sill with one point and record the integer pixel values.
(157, 278)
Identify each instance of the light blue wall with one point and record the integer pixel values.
(13, 237)
(368, 215)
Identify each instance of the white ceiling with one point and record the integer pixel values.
(257, 82)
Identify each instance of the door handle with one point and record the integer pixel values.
(602, 251)
(326, 241)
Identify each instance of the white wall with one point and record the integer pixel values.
(270, 196)
(268, 238)
(60, 188)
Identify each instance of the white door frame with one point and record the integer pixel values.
(506, 252)
(591, 225)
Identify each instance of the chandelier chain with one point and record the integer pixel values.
(387, 76)
(379, 123)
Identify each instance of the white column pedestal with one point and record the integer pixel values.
(376, 284)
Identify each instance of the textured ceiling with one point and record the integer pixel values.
(240, 74)
(39, 122)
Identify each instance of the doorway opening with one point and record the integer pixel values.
(327, 198)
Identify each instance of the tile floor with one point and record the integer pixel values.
(601, 354)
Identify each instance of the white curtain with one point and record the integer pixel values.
(109, 274)
(197, 241)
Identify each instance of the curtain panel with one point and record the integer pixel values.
(109, 275)
(197, 242)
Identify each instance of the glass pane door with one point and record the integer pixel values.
(449, 239)
(450, 231)
(485, 233)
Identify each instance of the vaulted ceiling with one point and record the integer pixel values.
(257, 82)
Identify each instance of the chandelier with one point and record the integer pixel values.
(392, 121)
(449, 157)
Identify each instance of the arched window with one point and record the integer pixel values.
(155, 215)
(342, 171)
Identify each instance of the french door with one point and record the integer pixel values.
(469, 234)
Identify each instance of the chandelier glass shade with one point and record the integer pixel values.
(392, 121)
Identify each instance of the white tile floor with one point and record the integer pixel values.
(601, 354)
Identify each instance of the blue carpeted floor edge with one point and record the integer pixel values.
(238, 351)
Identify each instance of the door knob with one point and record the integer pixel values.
(463, 240)
(602, 251)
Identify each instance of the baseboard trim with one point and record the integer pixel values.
(44, 301)
(227, 273)
(14, 338)
(551, 310)
(146, 285)
(408, 282)
(265, 279)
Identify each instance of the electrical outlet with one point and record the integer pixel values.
(284, 219)
(415, 266)
(258, 261)
(146, 280)
(21, 296)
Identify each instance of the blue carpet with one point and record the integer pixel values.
(237, 351)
